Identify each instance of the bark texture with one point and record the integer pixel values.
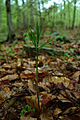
(11, 34)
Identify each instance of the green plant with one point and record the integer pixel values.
(35, 38)
(1, 40)
(77, 57)
(26, 108)
(10, 52)
(71, 50)
(27, 39)
(6, 100)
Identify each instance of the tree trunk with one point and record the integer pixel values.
(0, 15)
(61, 16)
(24, 17)
(31, 14)
(69, 20)
(11, 34)
(54, 14)
(18, 14)
(74, 14)
(64, 14)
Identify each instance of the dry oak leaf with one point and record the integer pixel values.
(27, 74)
(9, 66)
(46, 98)
(76, 76)
(27, 118)
(5, 92)
(32, 102)
(9, 77)
(2, 71)
(46, 115)
(56, 80)
(6, 66)
(1, 99)
(32, 86)
(56, 112)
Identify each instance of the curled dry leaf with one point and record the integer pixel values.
(11, 71)
(6, 66)
(56, 112)
(9, 77)
(5, 92)
(46, 115)
(46, 98)
(19, 65)
(2, 72)
(57, 80)
(32, 102)
(27, 118)
(1, 99)
(27, 74)
(76, 76)
(32, 86)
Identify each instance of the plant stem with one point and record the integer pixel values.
(37, 88)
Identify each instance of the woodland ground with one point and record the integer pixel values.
(59, 82)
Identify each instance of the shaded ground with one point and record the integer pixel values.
(59, 83)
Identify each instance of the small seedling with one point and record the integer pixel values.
(6, 100)
(35, 38)
(27, 39)
(71, 50)
(26, 108)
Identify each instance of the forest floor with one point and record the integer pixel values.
(59, 82)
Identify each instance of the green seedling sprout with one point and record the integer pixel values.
(26, 108)
(35, 40)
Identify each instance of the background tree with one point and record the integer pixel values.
(11, 34)
(32, 14)
(0, 12)
(25, 13)
(24, 17)
(64, 13)
(69, 19)
(74, 14)
(18, 14)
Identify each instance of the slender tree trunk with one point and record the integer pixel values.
(69, 20)
(11, 34)
(61, 16)
(24, 17)
(77, 20)
(31, 14)
(64, 14)
(74, 14)
(54, 14)
(0, 15)
(18, 14)
(27, 14)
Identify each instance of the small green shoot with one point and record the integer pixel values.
(6, 100)
(27, 39)
(71, 50)
(35, 38)
(77, 57)
(26, 108)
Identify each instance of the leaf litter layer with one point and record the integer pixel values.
(59, 84)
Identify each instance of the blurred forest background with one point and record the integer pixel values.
(17, 16)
